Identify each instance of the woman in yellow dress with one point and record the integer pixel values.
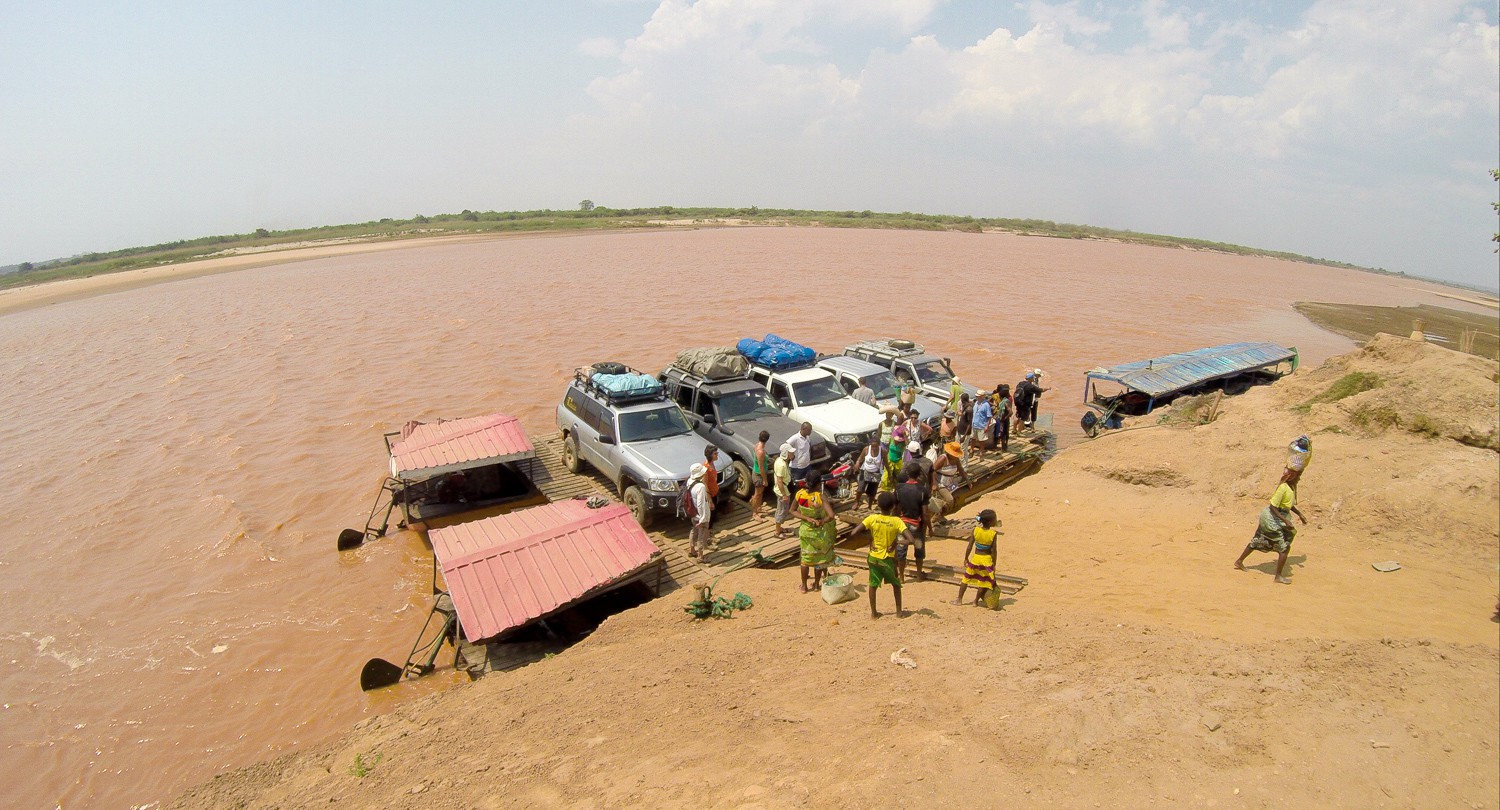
(979, 559)
(818, 531)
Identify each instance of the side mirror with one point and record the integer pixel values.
(605, 438)
(709, 418)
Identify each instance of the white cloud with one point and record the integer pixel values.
(1315, 111)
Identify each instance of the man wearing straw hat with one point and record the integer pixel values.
(948, 471)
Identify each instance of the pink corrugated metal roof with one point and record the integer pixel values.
(459, 444)
(507, 570)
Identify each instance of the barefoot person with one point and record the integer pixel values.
(699, 537)
(759, 472)
(886, 531)
(1275, 532)
(817, 533)
(781, 487)
(912, 498)
(869, 467)
(979, 559)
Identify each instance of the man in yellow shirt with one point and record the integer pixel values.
(1275, 532)
(886, 530)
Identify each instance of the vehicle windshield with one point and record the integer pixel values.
(884, 385)
(817, 392)
(742, 405)
(659, 423)
(933, 371)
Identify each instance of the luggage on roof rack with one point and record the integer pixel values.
(776, 353)
(713, 362)
(629, 386)
(889, 347)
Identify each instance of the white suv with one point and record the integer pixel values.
(813, 396)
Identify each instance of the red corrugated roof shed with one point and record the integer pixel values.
(459, 444)
(508, 570)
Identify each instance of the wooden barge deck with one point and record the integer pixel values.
(738, 535)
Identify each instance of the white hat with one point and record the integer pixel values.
(1037, 372)
(697, 472)
(788, 450)
(913, 446)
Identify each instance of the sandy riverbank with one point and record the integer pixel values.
(17, 299)
(1138, 667)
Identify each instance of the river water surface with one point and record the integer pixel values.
(180, 458)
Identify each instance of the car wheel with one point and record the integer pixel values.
(743, 487)
(635, 500)
(570, 454)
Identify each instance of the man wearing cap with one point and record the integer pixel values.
(955, 390)
(1299, 455)
(979, 439)
(781, 484)
(698, 536)
(1028, 394)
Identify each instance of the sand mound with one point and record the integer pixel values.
(1395, 383)
(1137, 667)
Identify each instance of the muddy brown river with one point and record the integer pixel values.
(179, 458)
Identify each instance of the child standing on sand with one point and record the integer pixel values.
(979, 559)
(885, 530)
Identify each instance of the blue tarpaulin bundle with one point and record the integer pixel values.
(776, 352)
(627, 384)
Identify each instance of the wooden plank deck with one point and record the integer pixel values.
(736, 535)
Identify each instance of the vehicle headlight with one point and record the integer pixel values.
(848, 438)
(662, 484)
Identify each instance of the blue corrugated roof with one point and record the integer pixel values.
(1174, 372)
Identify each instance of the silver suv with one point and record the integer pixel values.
(910, 363)
(638, 440)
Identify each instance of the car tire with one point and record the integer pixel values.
(570, 458)
(743, 488)
(635, 501)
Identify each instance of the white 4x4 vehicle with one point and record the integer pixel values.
(813, 396)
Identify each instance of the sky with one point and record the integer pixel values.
(1351, 130)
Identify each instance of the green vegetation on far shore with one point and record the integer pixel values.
(591, 217)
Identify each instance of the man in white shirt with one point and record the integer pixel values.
(801, 452)
(699, 537)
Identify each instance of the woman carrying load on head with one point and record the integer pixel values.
(895, 452)
(818, 532)
(1275, 532)
(979, 559)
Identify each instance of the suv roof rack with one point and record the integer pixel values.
(586, 382)
(693, 375)
(795, 365)
(888, 347)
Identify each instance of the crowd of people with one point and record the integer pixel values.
(908, 475)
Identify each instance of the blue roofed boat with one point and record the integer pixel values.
(1135, 389)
